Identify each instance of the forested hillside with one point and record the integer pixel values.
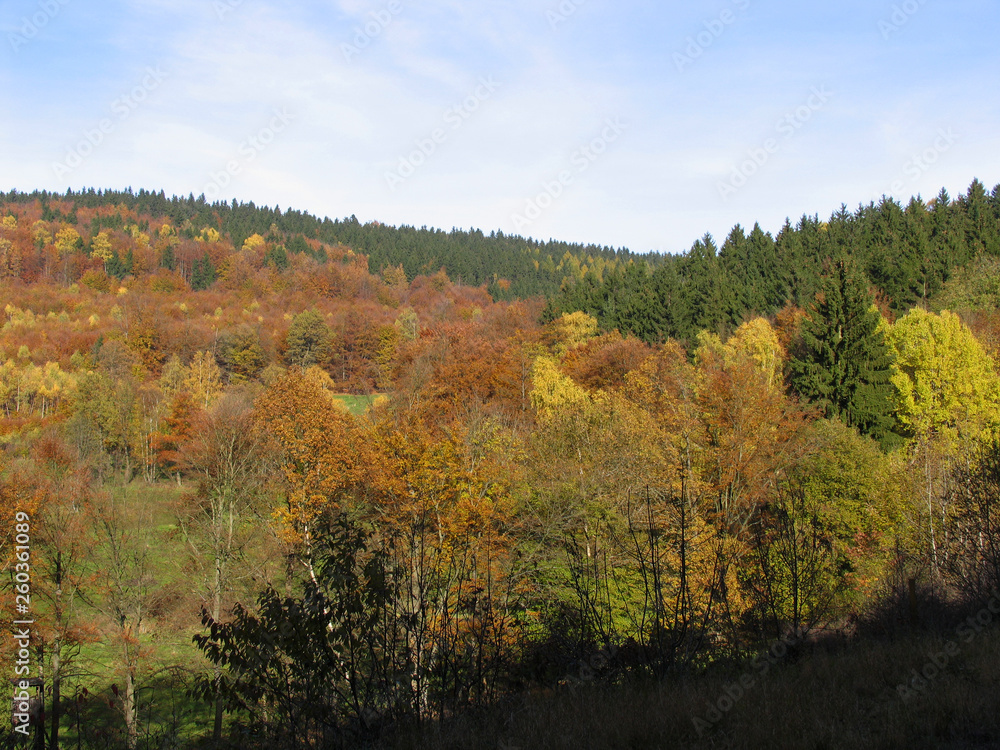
(510, 265)
(295, 483)
(905, 253)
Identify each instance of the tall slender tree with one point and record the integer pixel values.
(843, 364)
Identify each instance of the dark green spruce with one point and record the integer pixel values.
(843, 364)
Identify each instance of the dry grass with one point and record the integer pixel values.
(842, 698)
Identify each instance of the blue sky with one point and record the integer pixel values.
(636, 124)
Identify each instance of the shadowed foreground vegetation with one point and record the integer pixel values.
(838, 698)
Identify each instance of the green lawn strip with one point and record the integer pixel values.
(359, 405)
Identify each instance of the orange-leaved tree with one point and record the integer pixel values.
(322, 457)
(444, 516)
(61, 563)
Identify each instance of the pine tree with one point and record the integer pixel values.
(946, 235)
(892, 264)
(982, 232)
(277, 256)
(707, 299)
(169, 259)
(751, 263)
(115, 266)
(844, 365)
(298, 244)
(203, 273)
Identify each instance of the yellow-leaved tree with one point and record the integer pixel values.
(100, 248)
(570, 330)
(40, 233)
(948, 401)
(67, 240)
(254, 241)
(209, 234)
(947, 386)
(203, 379)
(755, 341)
(553, 391)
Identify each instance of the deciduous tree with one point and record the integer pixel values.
(946, 384)
(308, 341)
(229, 456)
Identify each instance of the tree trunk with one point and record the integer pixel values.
(129, 709)
(56, 678)
(216, 612)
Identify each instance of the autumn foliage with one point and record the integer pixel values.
(381, 497)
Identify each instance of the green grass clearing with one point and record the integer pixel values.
(359, 405)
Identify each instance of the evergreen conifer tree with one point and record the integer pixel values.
(169, 259)
(203, 273)
(115, 266)
(844, 365)
(277, 256)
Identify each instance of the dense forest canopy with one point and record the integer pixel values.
(906, 253)
(313, 481)
(511, 265)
